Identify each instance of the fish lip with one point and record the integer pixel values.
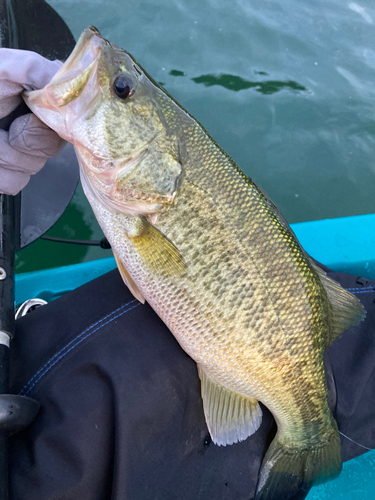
(85, 54)
(84, 58)
(90, 37)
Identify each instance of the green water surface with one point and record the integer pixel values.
(286, 87)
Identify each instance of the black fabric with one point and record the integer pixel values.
(121, 413)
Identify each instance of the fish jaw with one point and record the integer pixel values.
(75, 78)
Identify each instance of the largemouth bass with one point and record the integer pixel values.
(208, 250)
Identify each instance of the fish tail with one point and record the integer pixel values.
(288, 468)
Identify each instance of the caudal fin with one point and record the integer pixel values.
(286, 469)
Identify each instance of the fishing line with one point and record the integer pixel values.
(355, 442)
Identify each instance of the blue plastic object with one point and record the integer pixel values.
(49, 284)
(345, 244)
(356, 482)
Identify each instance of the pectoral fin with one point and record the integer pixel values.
(128, 280)
(230, 417)
(158, 253)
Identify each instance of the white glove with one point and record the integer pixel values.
(26, 147)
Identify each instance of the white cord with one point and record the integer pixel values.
(355, 442)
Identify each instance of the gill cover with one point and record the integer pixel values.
(102, 102)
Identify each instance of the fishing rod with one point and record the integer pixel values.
(31, 25)
(16, 412)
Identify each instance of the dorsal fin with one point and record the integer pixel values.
(230, 417)
(347, 309)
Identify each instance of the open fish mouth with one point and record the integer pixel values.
(74, 76)
(70, 80)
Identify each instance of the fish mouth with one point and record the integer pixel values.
(70, 81)
(85, 52)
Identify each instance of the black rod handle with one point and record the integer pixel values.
(4, 383)
(9, 238)
(16, 412)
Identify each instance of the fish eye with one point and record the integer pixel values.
(123, 86)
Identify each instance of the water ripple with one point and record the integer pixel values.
(360, 10)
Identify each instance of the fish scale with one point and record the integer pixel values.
(212, 255)
(243, 309)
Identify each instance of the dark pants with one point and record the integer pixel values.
(121, 413)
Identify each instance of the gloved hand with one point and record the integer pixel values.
(24, 149)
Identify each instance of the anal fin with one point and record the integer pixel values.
(230, 417)
(128, 280)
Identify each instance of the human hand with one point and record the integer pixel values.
(24, 149)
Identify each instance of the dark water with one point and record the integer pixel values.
(285, 87)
